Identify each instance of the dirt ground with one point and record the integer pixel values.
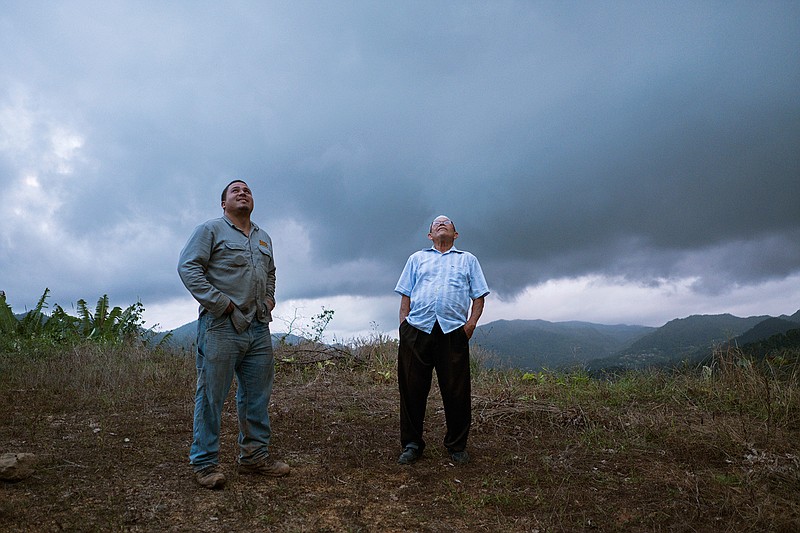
(535, 467)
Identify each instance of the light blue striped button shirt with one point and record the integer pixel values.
(441, 287)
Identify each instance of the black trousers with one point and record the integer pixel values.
(418, 355)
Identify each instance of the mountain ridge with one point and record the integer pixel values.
(536, 344)
(539, 344)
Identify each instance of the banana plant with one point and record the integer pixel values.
(104, 325)
(33, 323)
(8, 322)
(109, 324)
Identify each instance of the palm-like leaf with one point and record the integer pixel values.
(32, 324)
(101, 312)
(86, 319)
(8, 322)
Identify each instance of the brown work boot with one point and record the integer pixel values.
(211, 477)
(266, 468)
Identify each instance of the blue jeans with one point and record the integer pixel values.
(221, 354)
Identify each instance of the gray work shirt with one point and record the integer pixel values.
(220, 264)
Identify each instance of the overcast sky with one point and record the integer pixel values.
(616, 162)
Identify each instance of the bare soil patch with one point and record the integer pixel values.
(539, 462)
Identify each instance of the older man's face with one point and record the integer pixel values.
(442, 227)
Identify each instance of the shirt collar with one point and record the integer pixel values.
(253, 225)
(452, 249)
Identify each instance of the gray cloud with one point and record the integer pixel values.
(648, 142)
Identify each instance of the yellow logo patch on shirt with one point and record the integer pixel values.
(262, 243)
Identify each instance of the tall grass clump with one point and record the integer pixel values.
(102, 356)
(86, 375)
(730, 410)
(373, 357)
(761, 392)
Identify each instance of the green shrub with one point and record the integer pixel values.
(37, 330)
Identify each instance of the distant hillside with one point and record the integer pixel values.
(775, 345)
(182, 337)
(689, 339)
(539, 344)
(185, 336)
(765, 329)
(687, 336)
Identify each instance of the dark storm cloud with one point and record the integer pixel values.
(647, 142)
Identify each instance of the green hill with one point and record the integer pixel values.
(766, 329)
(539, 344)
(184, 337)
(683, 340)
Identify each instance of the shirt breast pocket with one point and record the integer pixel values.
(265, 257)
(234, 254)
(457, 277)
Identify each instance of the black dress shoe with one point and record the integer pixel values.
(409, 455)
(460, 458)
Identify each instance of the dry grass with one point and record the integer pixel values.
(551, 452)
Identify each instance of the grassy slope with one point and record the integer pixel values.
(551, 452)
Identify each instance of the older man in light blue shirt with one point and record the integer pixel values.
(442, 292)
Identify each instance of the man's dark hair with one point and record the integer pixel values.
(225, 190)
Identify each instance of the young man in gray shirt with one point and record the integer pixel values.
(228, 267)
